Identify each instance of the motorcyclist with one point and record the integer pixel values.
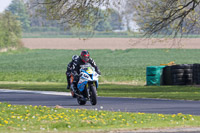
(83, 61)
(69, 69)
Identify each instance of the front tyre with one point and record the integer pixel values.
(93, 95)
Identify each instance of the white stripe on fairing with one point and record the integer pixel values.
(38, 92)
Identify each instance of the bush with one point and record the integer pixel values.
(10, 30)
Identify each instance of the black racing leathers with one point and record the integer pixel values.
(80, 64)
(69, 68)
(69, 71)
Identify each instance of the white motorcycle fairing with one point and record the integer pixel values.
(87, 75)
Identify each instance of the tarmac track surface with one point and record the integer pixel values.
(65, 100)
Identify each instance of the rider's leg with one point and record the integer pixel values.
(68, 79)
(68, 82)
(74, 84)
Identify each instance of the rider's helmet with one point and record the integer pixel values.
(85, 56)
(74, 57)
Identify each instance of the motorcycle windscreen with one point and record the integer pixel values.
(89, 70)
(81, 85)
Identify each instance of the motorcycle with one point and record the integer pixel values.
(87, 86)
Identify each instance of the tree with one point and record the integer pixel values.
(10, 30)
(167, 17)
(102, 25)
(115, 20)
(79, 13)
(18, 8)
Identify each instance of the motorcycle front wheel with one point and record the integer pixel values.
(93, 95)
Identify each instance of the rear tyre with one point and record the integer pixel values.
(93, 95)
(81, 101)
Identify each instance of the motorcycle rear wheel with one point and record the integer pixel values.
(80, 101)
(93, 95)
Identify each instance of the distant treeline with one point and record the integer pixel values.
(33, 23)
(46, 32)
(10, 30)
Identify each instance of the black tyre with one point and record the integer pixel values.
(93, 95)
(181, 75)
(167, 77)
(188, 71)
(177, 71)
(197, 82)
(182, 66)
(188, 76)
(195, 72)
(177, 80)
(81, 101)
(196, 66)
(189, 82)
(179, 83)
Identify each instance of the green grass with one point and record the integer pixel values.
(15, 118)
(81, 35)
(104, 34)
(111, 90)
(162, 92)
(116, 66)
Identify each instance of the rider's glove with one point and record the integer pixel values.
(98, 72)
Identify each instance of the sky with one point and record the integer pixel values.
(4, 4)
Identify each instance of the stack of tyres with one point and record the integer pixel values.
(154, 75)
(167, 76)
(179, 75)
(196, 74)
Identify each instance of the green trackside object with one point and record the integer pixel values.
(154, 75)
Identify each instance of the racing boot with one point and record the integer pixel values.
(73, 91)
(74, 88)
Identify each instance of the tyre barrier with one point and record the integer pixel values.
(183, 74)
(179, 74)
(167, 76)
(196, 74)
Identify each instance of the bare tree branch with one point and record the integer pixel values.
(166, 17)
(80, 13)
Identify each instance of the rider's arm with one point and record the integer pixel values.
(75, 68)
(69, 68)
(95, 66)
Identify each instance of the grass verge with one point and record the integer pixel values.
(16, 118)
(116, 90)
(46, 65)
